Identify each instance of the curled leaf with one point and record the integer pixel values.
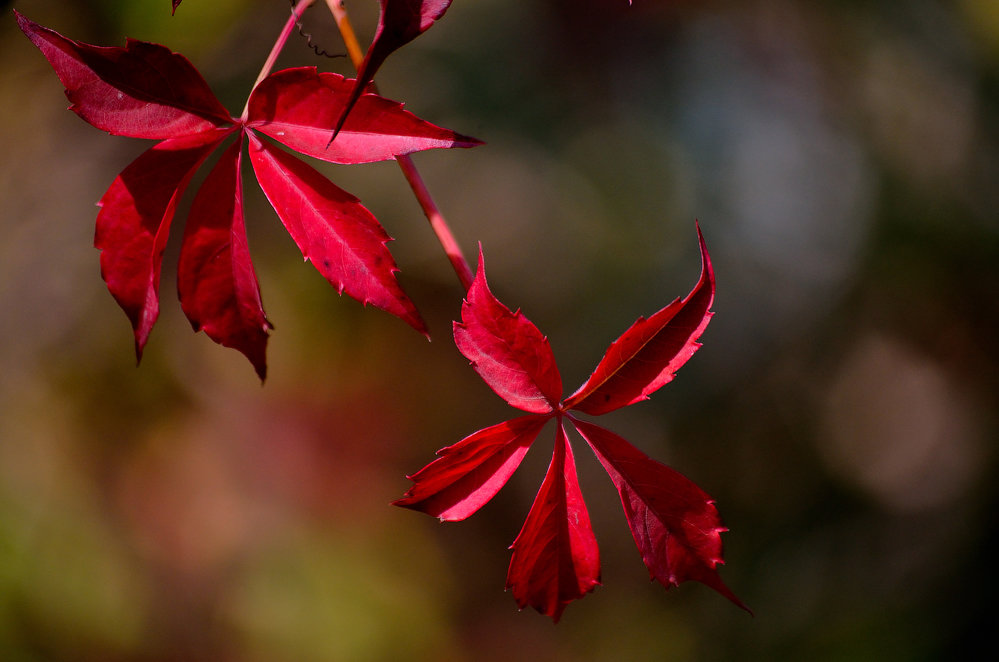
(649, 353)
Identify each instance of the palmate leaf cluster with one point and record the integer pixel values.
(144, 90)
(555, 557)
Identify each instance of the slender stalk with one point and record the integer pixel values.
(437, 221)
(296, 15)
(346, 31)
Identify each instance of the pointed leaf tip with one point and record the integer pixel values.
(646, 356)
(297, 106)
(399, 22)
(334, 231)
(675, 524)
(134, 222)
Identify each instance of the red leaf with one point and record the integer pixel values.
(555, 559)
(333, 230)
(217, 286)
(142, 90)
(176, 3)
(507, 350)
(400, 22)
(134, 220)
(674, 522)
(297, 107)
(648, 354)
(555, 556)
(468, 474)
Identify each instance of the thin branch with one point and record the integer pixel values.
(346, 31)
(296, 16)
(437, 221)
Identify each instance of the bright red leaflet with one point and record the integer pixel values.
(555, 558)
(297, 106)
(674, 522)
(146, 91)
(215, 279)
(400, 22)
(134, 221)
(507, 350)
(333, 230)
(647, 355)
(468, 474)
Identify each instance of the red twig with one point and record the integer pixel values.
(437, 221)
(296, 15)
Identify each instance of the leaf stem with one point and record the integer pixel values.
(437, 221)
(346, 31)
(296, 15)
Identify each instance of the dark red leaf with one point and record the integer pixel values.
(674, 522)
(507, 350)
(468, 474)
(400, 22)
(215, 279)
(134, 220)
(297, 107)
(141, 91)
(648, 354)
(176, 3)
(555, 556)
(555, 560)
(144, 90)
(333, 230)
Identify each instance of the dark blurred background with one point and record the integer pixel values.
(842, 159)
